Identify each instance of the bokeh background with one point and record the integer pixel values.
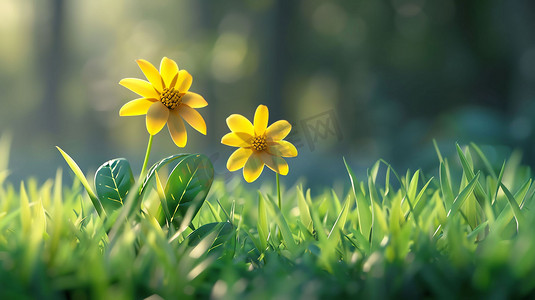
(357, 79)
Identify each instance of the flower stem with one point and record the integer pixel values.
(279, 192)
(145, 162)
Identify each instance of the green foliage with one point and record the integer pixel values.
(113, 180)
(465, 233)
(184, 193)
(187, 187)
(80, 175)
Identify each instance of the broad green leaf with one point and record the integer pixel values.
(156, 167)
(188, 185)
(80, 175)
(113, 180)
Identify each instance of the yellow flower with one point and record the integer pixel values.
(165, 99)
(259, 144)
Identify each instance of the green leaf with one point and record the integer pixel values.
(80, 175)
(363, 205)
(340, 221)
(420, 205)
(481, 227)
(413, 186)
(514, 205)
(283, 225)
(113, 180)
(304, 212)
(445, 184)
(317, 225)
(156, 167)
(458, 202)
(499, 180)
(26, 214)
(263, 227)
(469, 173)
(438, 151)
(222, 229)
(188, 186)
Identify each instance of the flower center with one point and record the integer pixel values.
(259, 143)
(170, 98)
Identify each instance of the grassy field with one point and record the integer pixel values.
(466, 231)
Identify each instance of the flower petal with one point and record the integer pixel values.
(157, 116)
(151, 73)
(193, 118)
(184, 81)
(253, 168)
(237, 139)
(177, 129)
(274, 162)
(239, 123)
(141, 87)
(168, 69)
(136, 107)
(238, 159)
(261, 119)
(194, 100)
(282, 148)
(278, 130)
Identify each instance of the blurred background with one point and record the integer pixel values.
(357, 79)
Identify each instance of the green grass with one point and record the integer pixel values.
(466, 231)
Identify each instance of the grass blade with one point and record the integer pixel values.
(514, 205)
(484, 159)
(283, 226)
(445, 186)
(463, 195)
(341, 220)
(480, 195)
(80, 175)
(262, 225)
(363, 206)
(304, 212)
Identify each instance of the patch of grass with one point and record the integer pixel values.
(387, 235)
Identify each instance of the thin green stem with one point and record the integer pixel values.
(279, 192)
(280, 200)
(145, 162)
